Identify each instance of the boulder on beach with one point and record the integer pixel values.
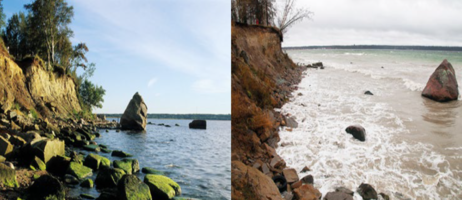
(96, 161)
(162, 187)
(442, 85)
(337, 196)
(47, 149)
(131, 187)
(243, 176)
(290, 174)
(357, 131)
(134, 117)
(47, 187)
(5, 147)
(78, 170)
(198, 124)
(367, 191)
(307, 192)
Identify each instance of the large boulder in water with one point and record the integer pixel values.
(357, 131)
(442, 85)
(134, 117)
(198, 124)
(367, 191)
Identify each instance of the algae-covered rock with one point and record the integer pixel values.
(148, 170)
(105, 150)
(2, 159)
(92, 147)
(47, 149)
(78, 170)
(128, 165)
(88, 183)
(8, 176)
(162, 187)
(5, 146)
(95, 161)
(122, 154)
(37, 164)
(87, 133)
(131, 187)
(108, 177)
(29, 136)
(47, 187)
(134, 117)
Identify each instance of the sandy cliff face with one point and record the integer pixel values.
(52, 93)
(262, 78)
(32, 87)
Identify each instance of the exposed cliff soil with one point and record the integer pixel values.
(262, 78)
(34, 88)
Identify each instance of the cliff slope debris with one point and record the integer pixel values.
(263, 77)
(134, 117)
(442, 85)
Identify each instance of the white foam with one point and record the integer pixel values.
(391, 165)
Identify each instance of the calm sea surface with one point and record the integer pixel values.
(198, 160)
(413, 145)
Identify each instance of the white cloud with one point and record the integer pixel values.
(152, 81)
(347, 22)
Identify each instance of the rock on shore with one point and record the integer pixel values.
(134, 117)
(442, 85)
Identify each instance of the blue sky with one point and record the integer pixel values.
(175, 53)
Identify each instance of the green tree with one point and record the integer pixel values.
(15, 35)
(49, 25)
(2, 15)
(92, 95)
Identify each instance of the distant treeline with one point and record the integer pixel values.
(391, 47)
(181, 116)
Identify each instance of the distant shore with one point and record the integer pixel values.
(380, 47)
(179, 116)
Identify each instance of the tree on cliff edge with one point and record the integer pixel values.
(2, 15)
(49, 26)
(290, 15)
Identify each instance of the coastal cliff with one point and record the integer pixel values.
(32, 87)
(263, 77)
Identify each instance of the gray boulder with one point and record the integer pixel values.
(198, 124)
(134, 117)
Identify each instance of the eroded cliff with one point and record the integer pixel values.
(262, 78)
(32, 87)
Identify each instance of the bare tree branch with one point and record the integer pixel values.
(290, 15)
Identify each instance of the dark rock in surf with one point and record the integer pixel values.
(198, 124)
(357, 131)
(368, 93)
(134, 117)
(337, 196)
(442, 85)
(367, 191)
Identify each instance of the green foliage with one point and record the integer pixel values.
(49, 28)
(92, 95)
(16, 36)
(16, 106)
(2, 15)
(34, 113)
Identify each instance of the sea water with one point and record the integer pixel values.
(198, 160)
(413, 145)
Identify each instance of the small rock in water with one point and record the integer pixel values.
(384, 196)
(368, 93)
(344, 190)
(357, 131)
(308, 179)
(305, 169)
(337, 196)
